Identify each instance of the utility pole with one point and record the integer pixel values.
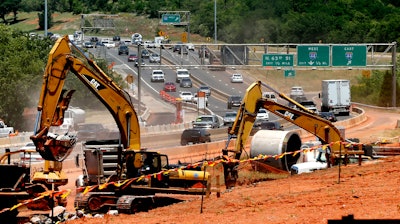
(215, 21)
(45, 18)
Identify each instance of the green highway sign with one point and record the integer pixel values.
(277, 60)
(313, 55)
(349, 55)
(171, 18)
(290, 73)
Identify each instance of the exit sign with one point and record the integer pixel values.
(171, 18)
(277, 60)
(349, 55)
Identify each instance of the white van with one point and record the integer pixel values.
(270, 96)
(182, 73)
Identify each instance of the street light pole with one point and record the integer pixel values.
(45, 18)
(215, 21)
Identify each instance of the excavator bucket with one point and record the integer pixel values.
(55, 147)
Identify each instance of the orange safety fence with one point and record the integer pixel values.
(165, 96)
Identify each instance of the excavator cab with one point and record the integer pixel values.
(143, 163)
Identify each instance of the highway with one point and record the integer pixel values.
(218, 81)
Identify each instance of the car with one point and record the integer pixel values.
(234, 101)
(91, 131)
(206, 121)
(181, 73)
(310, 105)
(271, 125)
(149, 44)
(237, 78)
(186, 96)
(262, 115)
(194, 136)
(177, 47)
(29, 154)
(99, 44)
(296, 91)
(157, 76)
(267, 125)
(195, 99)
(94, 39)
(137, 62)
(229, 117)
(205, 89)
(186, 83)
(145, 53)
(270, 96)
(183, 50)
(132, 57)
(169, 87)
(190, 46)
(88, 44)
(330, 116)
(127, 42)
(108, 43)
(154, 58)
(116, 38)
(123, 49)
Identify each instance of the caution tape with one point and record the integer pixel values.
(63, 194)
(225, 159)
(127, 182)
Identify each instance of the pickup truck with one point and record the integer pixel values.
(5, 131)
(108, 43)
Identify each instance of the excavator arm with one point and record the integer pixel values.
(65, 57)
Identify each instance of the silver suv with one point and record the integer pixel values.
(206, 121)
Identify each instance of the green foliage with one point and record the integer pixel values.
(375, 90)
(304, 21)
(21, 62)
(42, 22)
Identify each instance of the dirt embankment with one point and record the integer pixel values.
(369, 192)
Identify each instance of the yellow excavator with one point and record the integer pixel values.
(136, 174)
(302, 117)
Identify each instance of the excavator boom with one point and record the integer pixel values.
(65, 57)
(253, 101)
(303, 118)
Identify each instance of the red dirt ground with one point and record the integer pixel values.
(369, 191)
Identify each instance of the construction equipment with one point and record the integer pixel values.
(118, 172)
(302, 117)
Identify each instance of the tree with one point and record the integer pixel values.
(9, 6)
(21, 62)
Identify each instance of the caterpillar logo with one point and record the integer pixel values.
(288, 115)
(94, 83)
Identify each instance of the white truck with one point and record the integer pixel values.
(181, 73)
(336, 96)
(5, 131)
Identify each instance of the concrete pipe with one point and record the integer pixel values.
(272, 142)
